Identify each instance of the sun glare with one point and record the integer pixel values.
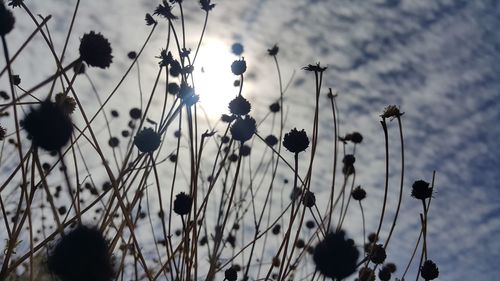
(214, 80)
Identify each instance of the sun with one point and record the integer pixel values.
(214, 81)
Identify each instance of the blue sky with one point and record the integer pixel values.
(438, 60)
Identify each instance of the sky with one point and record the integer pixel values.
(437, 60)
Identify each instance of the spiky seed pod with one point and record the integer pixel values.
(275, 107)
(336, 257)
(147, 140)
(271, 140)
(82, 255)
(135, 113)
(429, 270)
(366, 274)
(421, 190)
(239, 67)
(358, 193)
(309, 200)
(48, 126)
(7, 20)
(182, 204)
(391, 267)
(384, 274)
(377, 255)
(230, 274)
(349, 160)
(245, 150)
(296, 141)
(273, 51)
(95, 50)
(356, 137)
(239, 106)
(243, 129)
(68, 104)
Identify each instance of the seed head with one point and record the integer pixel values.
(384, 274)
(245, 150)
(7, 20)
(147, 140)
(421, 190)
(366, 274)
(206, 5)
(391, 111)
(316, 68)
(274, 107)
(239, 106)
(271, 140)
(48, 126)
(309, 200)
(356, 137)
(68, 104)
(243, 129)
(230, 274)
(95, 50)
(182, 204)
(296, 141)
(429, 270)
(336, 257)
(273, 51)
(239, 67)
(377, 255)
(82, 255)
(358, 193)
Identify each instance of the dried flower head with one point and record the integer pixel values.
(15, 3)
(48, 126)
(7, 20)
(82, 255)
(274, 107)
(316, 68)
(182, 204)
(384, 274)
(243, 129)
(245, 150)
(309, 199)
(429, 270)
(356, 137)
(95, 50)
(206, 5)
(391, 111)
(296, 141)
(391, 267)
(147, 140)
(273, 51)
(366, 274)
(336, 257)
(187, 95)
(377, 255)
(165, 10)
(135, 113)
(239, 106)
(358, 193)
(68, 104)
(150, 20)
(271, 140)
(421, 190)
(238, 67)
(237, 48)
(230, 274)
